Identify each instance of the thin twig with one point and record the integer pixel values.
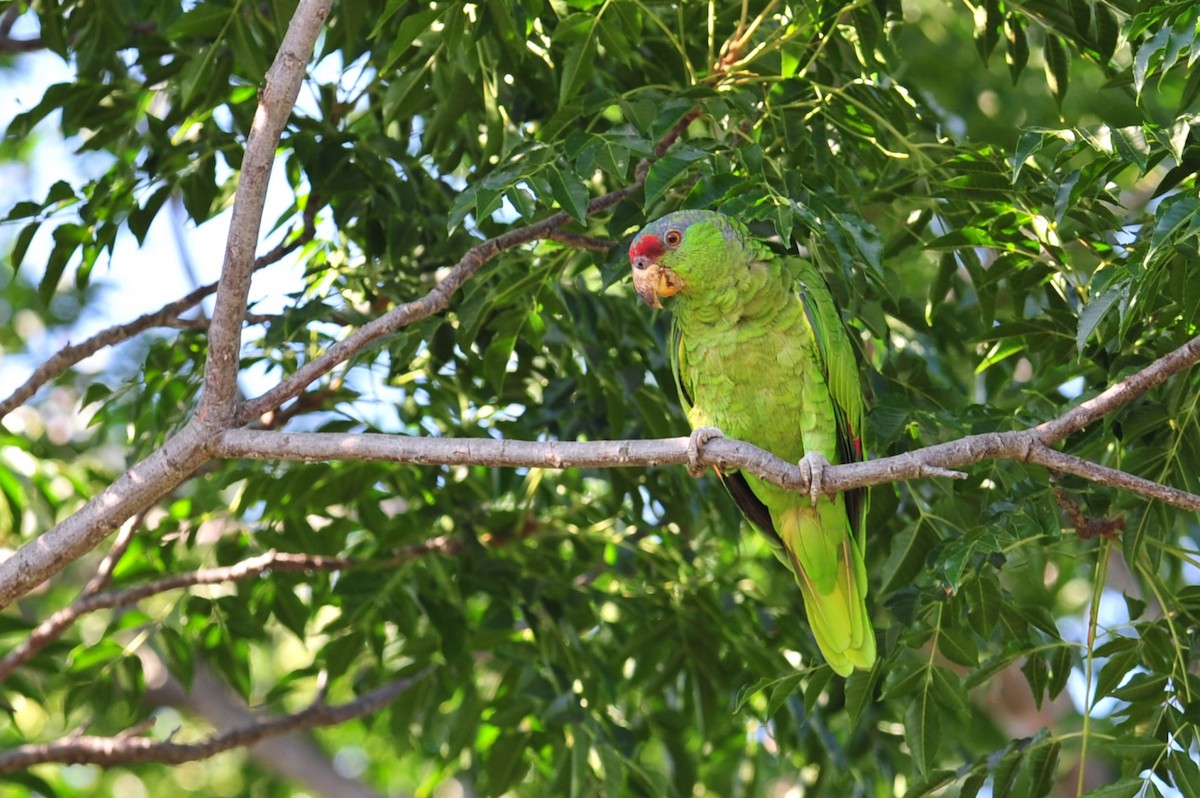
(168, 315)
(53, 627)
(105, 570)
(89, 750)
(581, 241)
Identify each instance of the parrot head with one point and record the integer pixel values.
(682, 249)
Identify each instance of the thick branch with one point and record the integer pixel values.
(133, 492)
(178, 458)
(1030, 446)
(722, 452)
(123, 750)
(283, 80)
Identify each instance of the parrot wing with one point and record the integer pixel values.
(839, 367)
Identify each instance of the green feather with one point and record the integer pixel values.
(760, 351)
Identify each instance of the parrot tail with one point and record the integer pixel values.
(838, 616)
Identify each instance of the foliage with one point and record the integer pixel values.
(1002, 240)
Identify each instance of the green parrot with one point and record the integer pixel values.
(760, 353)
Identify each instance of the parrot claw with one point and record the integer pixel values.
(812, 470)
(696, 441)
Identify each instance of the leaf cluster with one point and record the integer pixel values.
(618, 632)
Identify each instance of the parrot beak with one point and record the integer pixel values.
(652, 281)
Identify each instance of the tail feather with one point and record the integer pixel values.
(838, 615)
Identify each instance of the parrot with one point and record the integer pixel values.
(759, 353)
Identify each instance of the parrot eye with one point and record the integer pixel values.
(672, 238)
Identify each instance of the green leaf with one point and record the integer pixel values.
(812, 691)
(68, 238)
(948, 690)
(1042, 768)
(1095, 311)
(1141, 59)
(1142, 687)
(1037, 674)
(577, 67)
(205, 21)
(21, 245)
(931, 783)
(1016, 53)
(1107, 31)
(412, 26)
(1134, 606)
(1114, 672)
(1125, 788)
(1185, 773)
(60, 194)
(569, 192)
(958, 646)
(983, 598)
(988, 19)
(1004, 775)
(1141, 749)
(909, 555)
(860, 693)
(498, 354)
(922, 727)
(781, 690)
(1060, 670)
(973, 782)
(1058, 67)
(1130, 143)
(1082, 14)
(662, 175)
(506, 761)
(389, 11)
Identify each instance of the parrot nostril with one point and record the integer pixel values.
(641, 264)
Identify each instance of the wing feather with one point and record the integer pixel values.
(839, 366)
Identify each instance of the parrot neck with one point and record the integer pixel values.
(757, 293)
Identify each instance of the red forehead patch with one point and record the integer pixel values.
(647, 246)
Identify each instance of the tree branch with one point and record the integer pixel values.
(435, 301)
(166, 316)
(1030, 446)
(9, 45)
(91, 601)
(724, 453)
(295, 757)
(183, 453)
(581, 241)
(1120, 393)
(218, 402)
(120, 750)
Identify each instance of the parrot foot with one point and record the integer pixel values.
(696, 441)
(812, 470)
